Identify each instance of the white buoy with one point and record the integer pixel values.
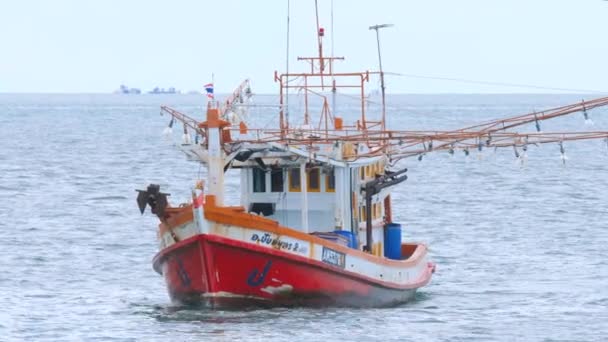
(186, 140)
(168, 131)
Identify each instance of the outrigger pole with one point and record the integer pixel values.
(403, 144)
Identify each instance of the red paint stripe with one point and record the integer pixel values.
(424, 278)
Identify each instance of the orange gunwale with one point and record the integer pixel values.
(237, 216)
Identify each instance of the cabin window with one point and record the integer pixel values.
(314, 180)
(294, 180)
(265, 209)
(259, 180)
(330, 181)
(276, 180)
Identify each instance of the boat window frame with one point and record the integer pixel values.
(273, 172)
(290, 178)
(331, 175)
(309, 173)
(263, 179)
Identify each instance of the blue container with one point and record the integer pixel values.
(392, 241)
(352, 238)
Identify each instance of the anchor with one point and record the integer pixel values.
(154, 198)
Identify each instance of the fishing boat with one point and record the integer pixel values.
(315, 224)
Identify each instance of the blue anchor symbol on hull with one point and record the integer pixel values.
(256, 278)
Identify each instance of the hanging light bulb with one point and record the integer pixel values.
(479, 149)
(466, 151)
(451, 149)
(420, 156)
(489, 141)
(524, 148)
(537, 123)
(515, 151)
(431, 145)
(586, 115)
(186, 137)
(562, 151)
(169, 129)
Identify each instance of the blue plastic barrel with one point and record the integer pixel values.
(352, 238)
(392, 241)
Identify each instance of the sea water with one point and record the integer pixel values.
(521, 248)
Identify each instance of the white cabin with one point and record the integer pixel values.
(315, 196)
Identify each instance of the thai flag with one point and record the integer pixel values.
(209, 90)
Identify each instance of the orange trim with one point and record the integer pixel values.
(235, 216)
(408, 249)
(242, 128)
(175, 216)
(387, 209)
(213, 120)
(338, 123)
(226, 136)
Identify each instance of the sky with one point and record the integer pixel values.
(92, 46)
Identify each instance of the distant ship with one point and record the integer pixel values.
(158, 90)
(126, 90)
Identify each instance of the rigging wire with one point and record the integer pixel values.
(492, 83)
(287, 71)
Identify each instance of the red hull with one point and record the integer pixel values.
(216, 271)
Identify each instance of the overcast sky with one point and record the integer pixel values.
(95, 45)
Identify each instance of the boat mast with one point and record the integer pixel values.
(377, 29)
(213, 127)
(320, 34)
(331, 71)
